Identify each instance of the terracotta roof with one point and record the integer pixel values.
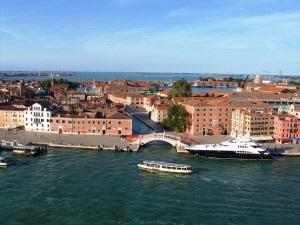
(153, 97)
(273, 89)
(165, 92)
(162, 107)
(97, 114)
(252, 104)
(69, 116)
(8, 108)
(113, 114)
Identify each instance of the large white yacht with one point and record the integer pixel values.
(241, 148)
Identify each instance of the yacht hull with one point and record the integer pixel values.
(230, 155)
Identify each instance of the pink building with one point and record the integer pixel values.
(286, 128)
(108, 122)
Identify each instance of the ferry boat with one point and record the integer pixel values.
(241, 148)
(165, 167)
(26, 150)
(3, 162)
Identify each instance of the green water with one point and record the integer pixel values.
(102, 187)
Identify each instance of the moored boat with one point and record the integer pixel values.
(165, 167)
(3, 162)
(241, 148)
(9, 145)
(25, 150)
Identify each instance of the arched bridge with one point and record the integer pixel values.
(171, 139)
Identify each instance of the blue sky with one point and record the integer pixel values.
(192, 36)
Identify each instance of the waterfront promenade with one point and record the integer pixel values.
(93, 141)
(68, 140)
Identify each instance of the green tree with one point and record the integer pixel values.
(153, 87)
(72, 111)
(46, 83)
(231, 79)
(178, 119)
(181, 88)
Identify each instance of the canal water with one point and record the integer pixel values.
(104, 187)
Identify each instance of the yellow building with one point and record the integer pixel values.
(11, 117)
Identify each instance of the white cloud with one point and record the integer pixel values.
(11, 32)
(181, 12)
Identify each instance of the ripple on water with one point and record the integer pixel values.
(101, 187)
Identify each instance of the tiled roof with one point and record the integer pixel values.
(272, 89)
(113, 114)
(8, 108)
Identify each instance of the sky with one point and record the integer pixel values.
(180, 36)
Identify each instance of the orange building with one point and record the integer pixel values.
(108, 122)
(209, 117)
(212, 116)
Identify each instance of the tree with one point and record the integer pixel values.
(48, 83)
(178, 119)
(181, 88)
(153, 87)
(72, 111)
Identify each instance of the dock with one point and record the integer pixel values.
(288, 151)
(87, 147)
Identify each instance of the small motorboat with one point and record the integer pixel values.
(3, 162)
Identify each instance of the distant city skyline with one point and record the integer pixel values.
(207, 36)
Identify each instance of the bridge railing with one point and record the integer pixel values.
(155, 135)
(163, 135)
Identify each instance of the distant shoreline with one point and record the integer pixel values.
(34, 74)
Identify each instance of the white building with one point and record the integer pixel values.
(37, 118)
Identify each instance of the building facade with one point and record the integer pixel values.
(286, 128)
(37, 118)
(11, 117)
(97, 123)
(159, 112)
(211, 117)
(252, 122)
